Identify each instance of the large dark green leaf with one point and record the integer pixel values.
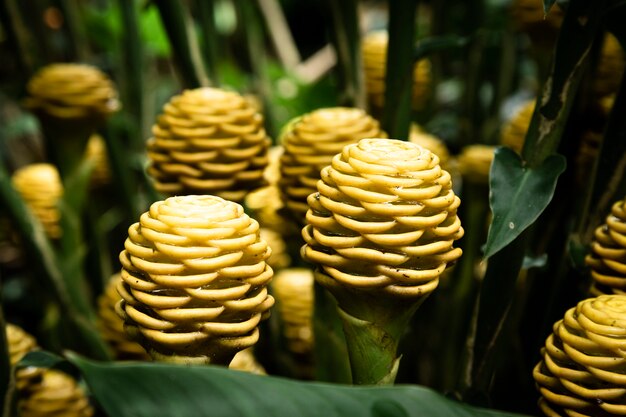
(519, 194)
(154, 390)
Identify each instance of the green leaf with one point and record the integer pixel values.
(519, 194)
(155, 390)
(40, 359)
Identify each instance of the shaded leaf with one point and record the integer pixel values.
(518, 195)
(547, 5)
(434, 44)
(149, 389)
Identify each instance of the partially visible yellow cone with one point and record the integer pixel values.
(41, 188)
(246, 362)
(582, 371)
(607, 259)
(97, 152)
(293, 289)
(514, 131)
(611, 63)
(474, 163)
(310, 144)
(374, 47)
(430, 142)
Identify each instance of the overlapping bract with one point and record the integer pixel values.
(208, 141)
(194, 279)
(72, 91)
(374, 47)
(293, 289)
(310, 144)
(111, 325)
(41, 188)
(607, 259)
(384, 218)
(583, 369)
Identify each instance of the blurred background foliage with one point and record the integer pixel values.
(478, 336)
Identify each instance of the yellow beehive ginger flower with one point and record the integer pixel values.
(43, 392)
(514, 131)
(208, 141)
(280, 258)
(194, 280)
(582, 370)
(41, 188)
(72, 91)
(57, 394)
(610, 67)
(384, 217)
(374, 48)
(293, 289)
(607, 259)
(474, 163)
(310, 144)
(97, 152)
(111, 325)
(430, 142)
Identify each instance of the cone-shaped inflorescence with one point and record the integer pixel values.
(96, 151)
(41, 188)
(208, 141)
(374, 47)
(310, 143)
(112, 327)
(43, 392)
(474, 163)
(607, 259)
(582, 371)
(611, 63)
(194, 280)
(20, 343)
(71, 101)
(293, 289)
(514, 131)
(381, 229)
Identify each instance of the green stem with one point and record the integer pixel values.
(331, 364)
(17, 45)
(346, 40)
(75, 30)
(209, 37)
(183, 43)
(133, 73)
(373, 324)
(396, 118)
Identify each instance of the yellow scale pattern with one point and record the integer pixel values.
(310, 144)
(71, 91)
(194, 279)
(41, 188)
(607, 259)
(582, 371)
(43, 392)
(384, 217)
(374, 48)
(293, 289)
(208, 141)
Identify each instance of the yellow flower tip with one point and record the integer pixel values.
(383, 219)
(474, 163)
(310, 144)
(293, 289)
(72, 91)
(582, 366)
(611, 63)
(111, 325)
(607, 259)
(96, 151)
(56, 393)
(513, 132)
(194, 280)
(41, 188)
(208, 141)
(374, 48)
